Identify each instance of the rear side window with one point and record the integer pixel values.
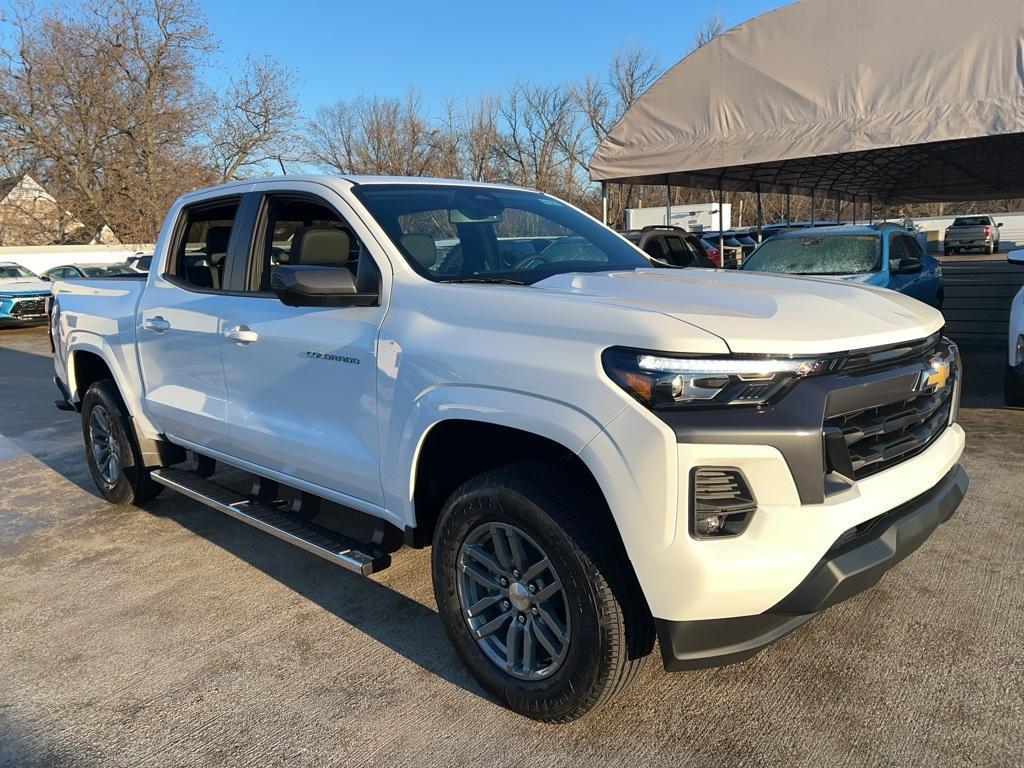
(200, 253)
(972, 221)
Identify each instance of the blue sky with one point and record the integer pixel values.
(455, 48)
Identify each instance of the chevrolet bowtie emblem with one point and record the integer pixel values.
(935, 376)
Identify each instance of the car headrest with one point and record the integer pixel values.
(422, 248)
(217, 240)
(328, 246)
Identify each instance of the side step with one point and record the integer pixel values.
(329, 545)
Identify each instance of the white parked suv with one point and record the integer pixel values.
(599, 449)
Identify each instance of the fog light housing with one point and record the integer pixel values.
(721, 503)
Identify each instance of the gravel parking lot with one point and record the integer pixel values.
(177, 636)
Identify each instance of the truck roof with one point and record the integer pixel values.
(354, 179)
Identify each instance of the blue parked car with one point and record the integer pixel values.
(875, 254)
(22, 296)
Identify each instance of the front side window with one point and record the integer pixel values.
(301, 231)
(200, 254)
(817, 255)
(452, 233)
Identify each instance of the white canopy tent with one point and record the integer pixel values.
(892, 100)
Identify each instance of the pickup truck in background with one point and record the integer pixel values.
(599, 450)
(972, 233)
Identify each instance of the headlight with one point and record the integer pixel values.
(665, 381)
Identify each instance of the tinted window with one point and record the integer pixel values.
(450, 232)
(817, 255)
(971, 221)
(202, 247)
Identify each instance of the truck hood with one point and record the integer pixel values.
(28, 286)
(758, 313)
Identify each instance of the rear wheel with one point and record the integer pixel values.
(535, 594)
(946, 250)
(1014, 387)
(111, 449)
(990, 249)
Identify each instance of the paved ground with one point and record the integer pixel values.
(175, 637)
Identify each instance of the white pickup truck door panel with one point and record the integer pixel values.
(180, 354)
(301, 385)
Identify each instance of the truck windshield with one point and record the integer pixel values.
(13, 271)
(455, 233)
(818, 255)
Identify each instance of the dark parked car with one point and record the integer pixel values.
(78, 271)
(672, 245)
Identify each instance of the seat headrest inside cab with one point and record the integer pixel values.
(327, 246)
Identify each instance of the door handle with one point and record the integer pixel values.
(157, 324)
(241, 334)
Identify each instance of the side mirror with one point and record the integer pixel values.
(999, 224)
(905, 267)
(314, 286)
(1015, 257)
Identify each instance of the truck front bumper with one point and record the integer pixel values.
(853, 564)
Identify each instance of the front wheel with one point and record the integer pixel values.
(535, 593)
(1013, 387)
(111, 449)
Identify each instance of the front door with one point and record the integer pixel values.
(179, 336)
(302, 381)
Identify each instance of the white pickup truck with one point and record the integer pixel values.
(600, 450)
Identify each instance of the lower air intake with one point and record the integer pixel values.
(723, 503)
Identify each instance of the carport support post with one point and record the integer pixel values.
(854, 209)
(814, 203)
(839, 208)
(668, 204)
(721, 226)
(787, 207)
(604, 203)
(759, 222)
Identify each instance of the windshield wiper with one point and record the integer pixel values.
(484, 279)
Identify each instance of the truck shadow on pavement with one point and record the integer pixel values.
(409, 628)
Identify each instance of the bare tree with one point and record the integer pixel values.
(709, 29)
(374, 136)
(255, 121)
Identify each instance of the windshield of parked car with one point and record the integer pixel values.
(453, 233)
(14, 271)
(113, 270)
(817, 255)
(971, 221)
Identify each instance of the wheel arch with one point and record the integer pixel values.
(452, 451)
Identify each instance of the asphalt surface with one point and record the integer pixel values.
(175, 636)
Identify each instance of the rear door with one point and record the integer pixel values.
(179, 335)
(302, 381)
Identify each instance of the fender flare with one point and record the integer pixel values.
(559, 422)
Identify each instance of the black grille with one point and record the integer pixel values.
(29, 308)
(877, 438)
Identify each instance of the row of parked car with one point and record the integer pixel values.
(23, 293)
(885, 255)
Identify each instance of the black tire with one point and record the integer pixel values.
(940, 297)
(131, 484)
(612, 630)
(946, 251)
(990, 249)
(1013, 387)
